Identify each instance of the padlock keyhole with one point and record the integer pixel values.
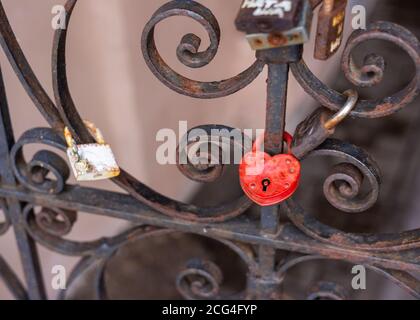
(265, 184)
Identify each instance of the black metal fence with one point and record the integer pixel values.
(42, 208)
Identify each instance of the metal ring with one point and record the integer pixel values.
(348, 107)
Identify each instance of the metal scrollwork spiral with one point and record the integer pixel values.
(218, 140)
(127, 182)
(56, 221)
(371, 73)
(53, 222)
(189, 55)
(48, 213)
(343, 186)
(50, 239)
(34, 174)
(342, 189)
(200, 280)
(325, 290)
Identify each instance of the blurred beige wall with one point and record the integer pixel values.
(112, 86)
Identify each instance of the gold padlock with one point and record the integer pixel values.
(93, 161)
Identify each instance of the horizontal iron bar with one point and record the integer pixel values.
(242, 229)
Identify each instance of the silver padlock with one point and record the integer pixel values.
(93, 161)
(275, 23)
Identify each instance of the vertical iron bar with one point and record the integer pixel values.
(267, 286)
(278, 76)
(27, 247)
(12, 281)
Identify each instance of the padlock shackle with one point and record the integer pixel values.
(287, 137)
(94, 131)
(344, 112)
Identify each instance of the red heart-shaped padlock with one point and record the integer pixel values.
(268, 180)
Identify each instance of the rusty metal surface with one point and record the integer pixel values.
(188, 55)
(42, 208)
(247, 21)
(329, 35)
(370, 74)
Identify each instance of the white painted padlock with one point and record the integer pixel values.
(93, 161)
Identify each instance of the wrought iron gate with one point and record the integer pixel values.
(42, 208)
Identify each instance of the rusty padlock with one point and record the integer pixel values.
(268, 180)
(93, 161)
(320, 125)
(275, 23)
(331, 18)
